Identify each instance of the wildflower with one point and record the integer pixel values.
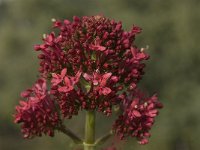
(38, 113)
(91, 64)
(138, 116)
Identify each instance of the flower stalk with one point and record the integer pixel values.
(104, 138)
(69, 133)
(89, 143)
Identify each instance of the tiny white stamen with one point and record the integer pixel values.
(97, 70)
(143, 49)
(145, 104)
(44, 36)
(96, 83)
(53, 20)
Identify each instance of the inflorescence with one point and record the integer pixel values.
(89, 63)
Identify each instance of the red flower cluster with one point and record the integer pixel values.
(64, 92)
(38, 114)
(138, 116)
(92, 64)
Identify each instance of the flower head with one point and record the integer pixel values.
(92, 57)
(92, 64)
(138, 116)
(38, 113)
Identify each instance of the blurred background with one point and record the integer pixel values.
(171, 29)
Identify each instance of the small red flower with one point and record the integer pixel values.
(99, 81)
(96, 46)
(67, 87)
(66, 82)
(58, 78)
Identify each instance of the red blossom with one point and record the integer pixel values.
(66, 83)
(92, 64)
(96, 46)
(67, 87)
(58, 78)
(99, 81)
(38, 113)
(138, 116)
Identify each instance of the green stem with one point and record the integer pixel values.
(104, 138)
(89, 143)
(72, 135)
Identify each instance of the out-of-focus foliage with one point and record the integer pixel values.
(170, 28)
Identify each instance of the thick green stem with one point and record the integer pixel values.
(89, 143)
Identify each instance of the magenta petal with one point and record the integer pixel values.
(106, 76)
(63, 72)
(101, 48)
(114, 78)
(26, 93)
(65, 89)
(66, 22)
(97, 47)
(133, 51)
(54, 75)
(136, 29)
(87, 77)
(23, 103)
(55, 81)
(106, 91)
(134, 103)
(78, 74)
(143, 141)
(67, 81)
(95, 82)
(77, 77)
(136, 113)
(49, 39)
(141, 56)
(17, 119)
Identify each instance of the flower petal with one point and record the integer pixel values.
(87, 77)
(106, 91)
(63, 72)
